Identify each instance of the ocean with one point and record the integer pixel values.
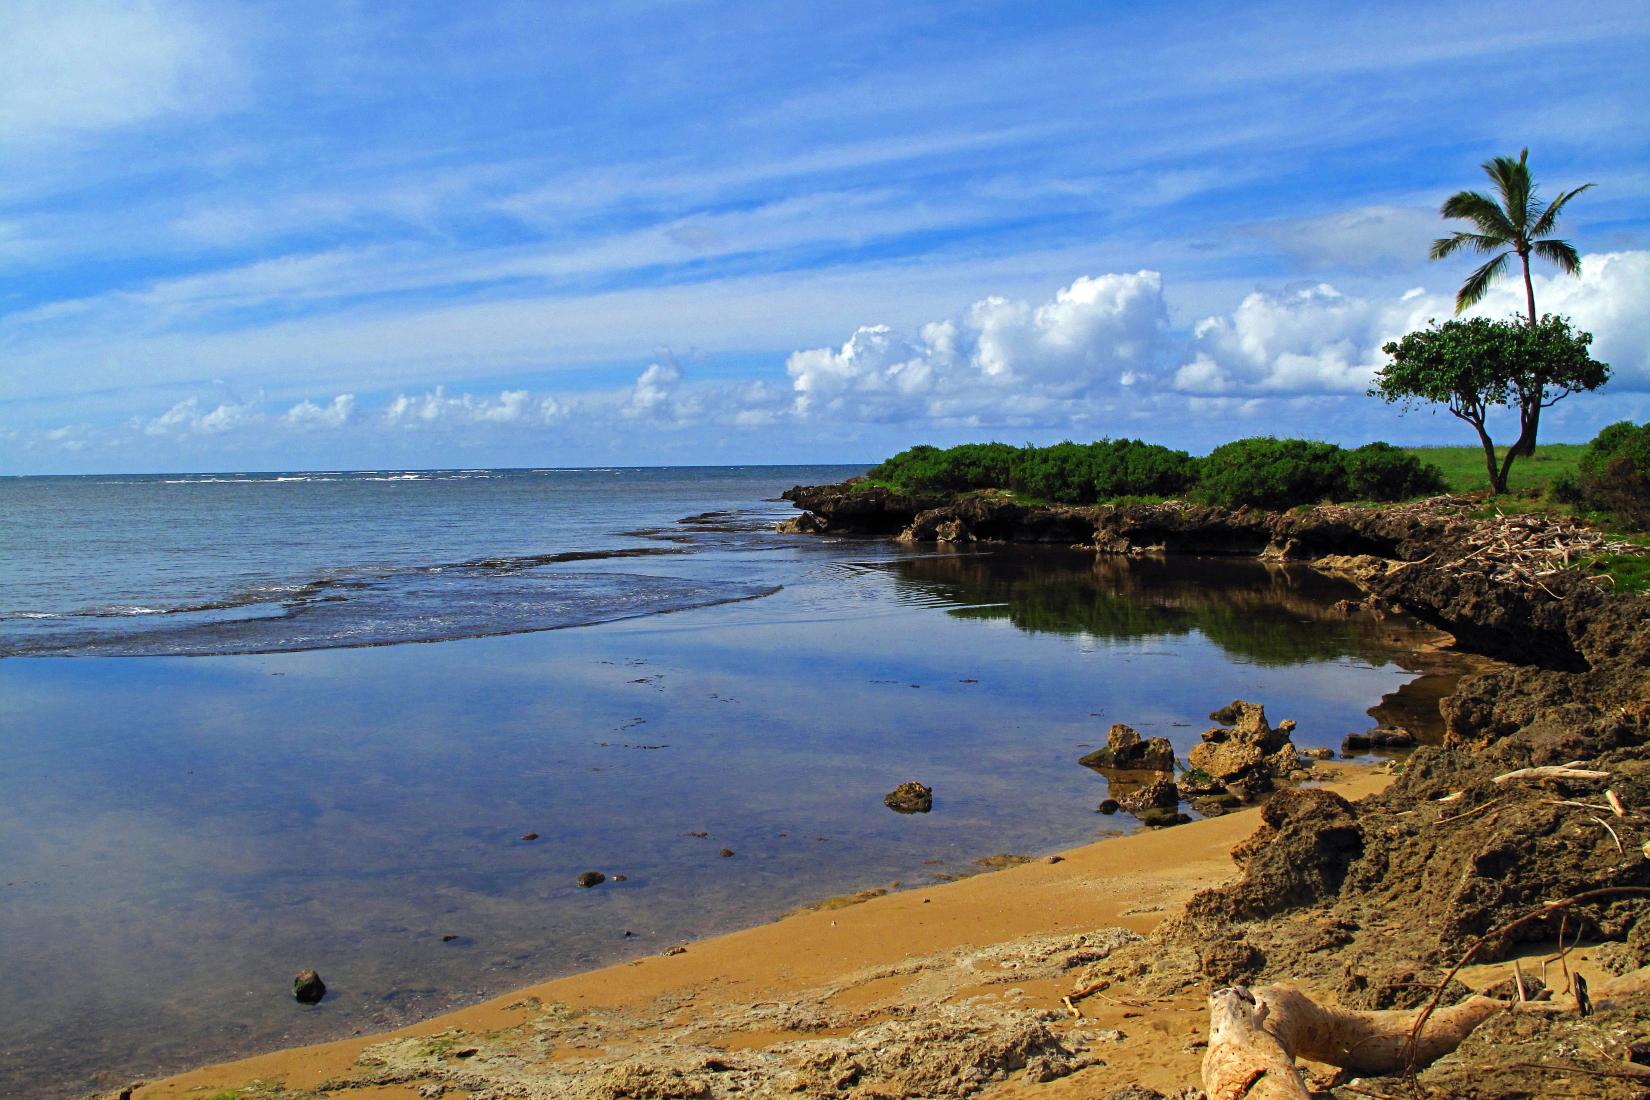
(222, 759)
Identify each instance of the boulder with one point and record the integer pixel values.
(1381, 737)
(910, 798)
(1125, 750)
(1227, 760)
(587, 879)
(308, 988)
(1159, 793)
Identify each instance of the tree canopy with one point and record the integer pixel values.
(1474, 366)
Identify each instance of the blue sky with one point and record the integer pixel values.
(352, 234)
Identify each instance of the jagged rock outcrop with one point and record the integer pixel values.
(1126, 751)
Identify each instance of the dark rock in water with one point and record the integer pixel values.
(1126, 751)
(620, 878)
(1109, 806)
(1159, 793)
(449, 938)
(529, 836)
(910, 798)
(1159, 817)
(308, 988)
(587, 879)
(726, 853)
(1381, 737)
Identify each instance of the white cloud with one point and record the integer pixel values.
(1610, 299)
(658, 394)
(1318, 340)
(999, 354)
(68, 66)
(307, 414)
(436, 409)
(188, 418)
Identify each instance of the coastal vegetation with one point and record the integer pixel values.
(1477, 366)
(1261, 471)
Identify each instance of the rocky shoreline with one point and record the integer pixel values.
(1539, 794)
(1525, 835)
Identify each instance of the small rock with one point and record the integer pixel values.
(1109, 806)
(620, 878)
(910, 798)
(1161, 817)
(677, 950)
(587, 879)
(1319, 753)
(726, 853)
(1158, 793)
(1639, 1053)
(1056, 859)
(448, 938)
(529, 836)
(308, 988)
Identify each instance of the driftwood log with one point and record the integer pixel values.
(1255, 1038)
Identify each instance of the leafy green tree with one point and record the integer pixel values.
(1516, 222)
(1472, 367)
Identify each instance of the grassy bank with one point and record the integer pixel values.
(1463, 467)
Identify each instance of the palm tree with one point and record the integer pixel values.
(1519, 223)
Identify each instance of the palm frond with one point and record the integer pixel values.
(1512, 183)
(1549, 217)
(1479, 282)
(1560, 253)
(1481, 243)
(1482, 211)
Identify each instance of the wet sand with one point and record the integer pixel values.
(843, 956)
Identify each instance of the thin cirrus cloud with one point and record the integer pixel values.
(1080, 219)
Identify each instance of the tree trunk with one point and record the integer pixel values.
(1529, 287)
(1254, 1039)
(1498, 476)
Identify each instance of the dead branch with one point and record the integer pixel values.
(1572, 770)
(1413, 1045)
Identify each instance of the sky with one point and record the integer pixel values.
(356, 235)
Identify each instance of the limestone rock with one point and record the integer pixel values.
(910, 798)
(308, 988)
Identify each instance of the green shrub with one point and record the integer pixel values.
(1271, 473)
(1380, 471)
(1613, 475)
(1067, 473)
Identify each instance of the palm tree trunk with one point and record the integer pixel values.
(1529, 287)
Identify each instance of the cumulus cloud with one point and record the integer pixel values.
(998, 355)
(308, 415)
(435, 408)
(1315, 340)
(1320, 341)
(190, 417)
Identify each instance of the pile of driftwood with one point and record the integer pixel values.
(1522, 550)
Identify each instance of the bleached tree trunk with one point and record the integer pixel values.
(1255, 1038)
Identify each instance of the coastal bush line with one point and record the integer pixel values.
(1260, 471)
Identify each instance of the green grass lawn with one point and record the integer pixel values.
(1464, 466)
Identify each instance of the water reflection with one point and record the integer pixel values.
(1263, 613)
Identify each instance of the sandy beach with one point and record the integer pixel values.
(972, 942)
